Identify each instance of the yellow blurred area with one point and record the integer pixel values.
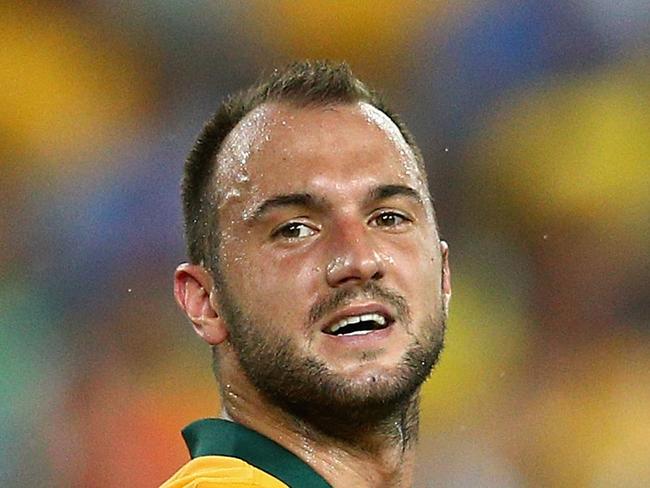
(65, 91)
(583, 424)
(370, 35)
(580, 146)
(485, 344)
(590, 426)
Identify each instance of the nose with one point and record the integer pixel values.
(355, 259)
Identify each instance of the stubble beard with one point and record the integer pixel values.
(307, 389)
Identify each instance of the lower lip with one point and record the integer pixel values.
(360, 340)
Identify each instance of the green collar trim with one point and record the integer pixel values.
(218, 437)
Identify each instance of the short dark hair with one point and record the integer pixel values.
(302, 83)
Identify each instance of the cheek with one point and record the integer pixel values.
(278, 284)
(416, 264)
(237, 270)
(233, 259)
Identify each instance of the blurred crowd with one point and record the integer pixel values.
(534, 117)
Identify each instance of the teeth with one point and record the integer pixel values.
(358, 332)
(375, 317)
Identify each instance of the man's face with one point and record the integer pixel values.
(330, 261)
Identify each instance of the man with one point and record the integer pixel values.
(318, 277)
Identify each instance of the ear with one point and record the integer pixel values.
(446, 274)
(193, 289)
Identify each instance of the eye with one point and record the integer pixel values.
(389, 219)
(293, 230)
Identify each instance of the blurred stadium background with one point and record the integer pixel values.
(535, 118)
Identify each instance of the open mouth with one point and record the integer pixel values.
(359, 324)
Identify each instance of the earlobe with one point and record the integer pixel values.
(193, 286)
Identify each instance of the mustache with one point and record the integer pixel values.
(370, 291)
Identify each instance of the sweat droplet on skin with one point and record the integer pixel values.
(400, 429)
(336, 264)
(243, 141)
(334, 464)
(230, 194)
(249, 210)
(228, 391)
(308, 450)
(386, 258)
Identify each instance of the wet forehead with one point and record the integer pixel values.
(275, 138)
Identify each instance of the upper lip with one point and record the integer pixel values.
(358, 309)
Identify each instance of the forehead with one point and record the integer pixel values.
(282, 147)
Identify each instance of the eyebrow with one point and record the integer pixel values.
(382, 192)
(307, 200)
(282, 201)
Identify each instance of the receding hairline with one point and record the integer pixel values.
(269, 110)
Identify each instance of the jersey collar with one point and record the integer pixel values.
(218, 437)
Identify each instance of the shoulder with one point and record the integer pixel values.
(221, 472)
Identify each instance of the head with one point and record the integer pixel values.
(316, 268)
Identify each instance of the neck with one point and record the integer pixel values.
(377, 453)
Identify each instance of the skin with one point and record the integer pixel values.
(280, 260)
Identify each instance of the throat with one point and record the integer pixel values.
(380, 457)
(394, 430)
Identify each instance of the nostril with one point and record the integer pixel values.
(378, 275)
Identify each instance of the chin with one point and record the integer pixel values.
(378, 385)
(371, 373)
